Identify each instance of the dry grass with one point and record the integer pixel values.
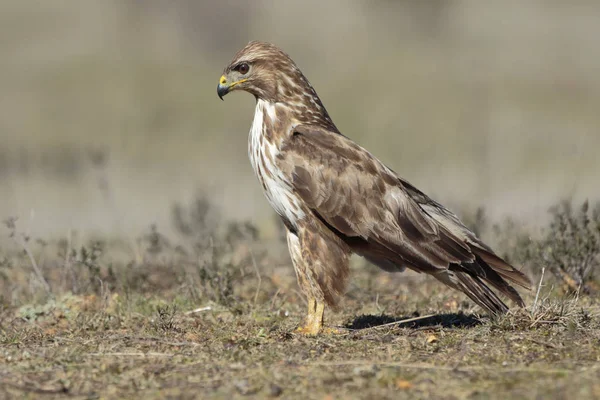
(113, 348)
(104, 350)
(211, 315)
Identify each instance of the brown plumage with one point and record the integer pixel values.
(335, 198)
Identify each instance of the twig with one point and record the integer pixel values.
(282, 301)
(119, 354)
(34, 264)
(197, 310)
(537, 294)
(534, 323)
(67, 265)
(257, 276)
(379, 308)
(300, 296)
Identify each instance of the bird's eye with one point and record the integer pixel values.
(243, 68)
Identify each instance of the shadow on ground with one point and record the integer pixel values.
(451, 320)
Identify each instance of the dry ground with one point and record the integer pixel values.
(85, 349)
(132, 332)
(211, 313)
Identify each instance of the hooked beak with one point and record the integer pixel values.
(222, 87)
(225, 87)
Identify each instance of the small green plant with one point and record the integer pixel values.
(82, 268)
(219, 253)
(155, 242)
(571, 245)
(217, 283)
(197, 221)
(23, 240)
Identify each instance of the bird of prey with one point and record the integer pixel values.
(335, 198)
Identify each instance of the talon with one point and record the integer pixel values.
(314, 322)
(333, 331)
(308, 330)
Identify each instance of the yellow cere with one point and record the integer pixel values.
(223, 80)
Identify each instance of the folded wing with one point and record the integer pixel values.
(389, 221)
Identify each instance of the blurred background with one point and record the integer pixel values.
(109, 113)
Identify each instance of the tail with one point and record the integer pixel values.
(472, 279)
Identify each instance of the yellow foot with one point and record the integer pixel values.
(314, 321)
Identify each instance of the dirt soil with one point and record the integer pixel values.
(141, 346)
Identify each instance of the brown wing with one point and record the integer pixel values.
(389, 221)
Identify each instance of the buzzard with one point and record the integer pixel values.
(335, 198)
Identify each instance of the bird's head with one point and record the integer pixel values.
(265, 71)
(270, 74)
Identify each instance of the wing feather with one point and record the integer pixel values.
(386, 219)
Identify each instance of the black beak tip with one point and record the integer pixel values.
(222, 91)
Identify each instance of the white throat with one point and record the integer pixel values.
(263, 156)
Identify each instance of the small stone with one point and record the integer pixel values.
(275, 390)
(243, 386)
(432, 339)
(403, 384)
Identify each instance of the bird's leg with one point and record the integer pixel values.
(314, 318)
